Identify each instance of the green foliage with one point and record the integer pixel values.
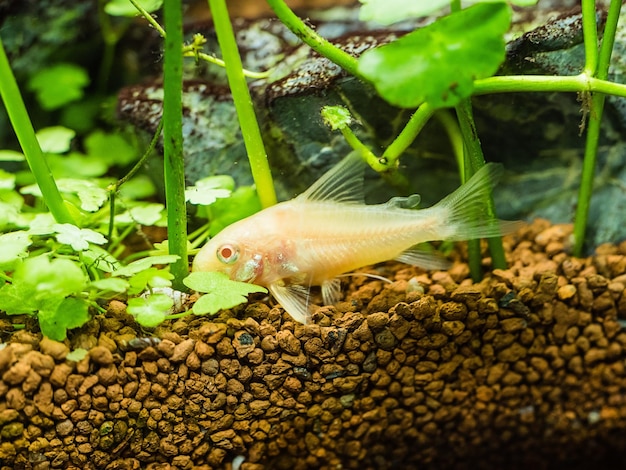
(126, 8)
(456, 49)
(150, 311)
(391, 11)
(39, 288)
(59, 85)
(221, 292)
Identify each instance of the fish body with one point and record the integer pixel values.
(328, 231)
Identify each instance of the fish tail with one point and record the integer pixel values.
(465, 212)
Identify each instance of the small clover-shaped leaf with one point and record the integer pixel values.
(11, 156)
(110, 148)
(41, 284)
(92, 197)
(149, 278)
(78, 238)
(58, 85)
(111, 284)
(56, 139)
(125, 8)
(99, 258)
(143, 264)
(336, 117)
(438, 64)
(146, 213)
(69, 313)
(14, 247)
(150, 311)
(42, 224)
(391, 11)
(221, 292)
(7, 180)
(207, 190)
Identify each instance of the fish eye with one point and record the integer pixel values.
(228, 253)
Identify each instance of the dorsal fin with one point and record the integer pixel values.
(342, 183)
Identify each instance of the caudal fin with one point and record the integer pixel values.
(465, 212)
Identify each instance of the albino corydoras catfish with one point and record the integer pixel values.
(328, 230)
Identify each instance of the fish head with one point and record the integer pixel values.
(231, 252)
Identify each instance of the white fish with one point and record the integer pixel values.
(328, 230)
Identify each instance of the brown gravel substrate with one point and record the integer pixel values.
(525, 368)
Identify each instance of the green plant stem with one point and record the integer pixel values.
(314, 40)
(25, 133)
(590, 36)
(451, 126)
(596, 109)
(243, 104)
(473, 162)
(406, 137)
(173, 141)
(366, 153)
(525, 83)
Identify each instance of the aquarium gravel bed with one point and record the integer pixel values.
(431, 371)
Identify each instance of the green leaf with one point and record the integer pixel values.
(111, 284)
(336, 117)
(77, 355)
(55, 139)
(78, 238)
(91, 196)
(150, 311)
(390, 11)
(76, 164)
(139, 187)
(11, 156)
(207, 190)
(14, 248)
(143, 264)
(151, 277)
(112, 149)
(439, 63)
(145, 213)
(70, 313)
(222, 293)
(41, 284)
(99, 258)
(58, 85)
(125, 8)
(7, 180)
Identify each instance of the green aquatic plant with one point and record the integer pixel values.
(451, 66)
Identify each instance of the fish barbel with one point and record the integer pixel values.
(328, 230)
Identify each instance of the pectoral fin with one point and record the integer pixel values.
(423, 259)
(331, 291)
(294, 299)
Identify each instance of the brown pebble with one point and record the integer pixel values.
(182, 350)
(101, 355)
(53, 348)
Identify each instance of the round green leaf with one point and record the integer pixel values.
(439, 63)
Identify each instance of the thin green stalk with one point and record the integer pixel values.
(593, 129)
(25, 133)
(525, 83)
(451, 126)
(473, 162)
(314, 40)
(113, 188)
(417, 122)
(590, 36)
(243, 104)
(173, 141)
